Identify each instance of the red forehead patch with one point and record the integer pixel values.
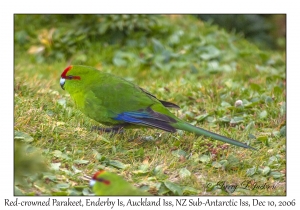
(64, 74)
(97, 173)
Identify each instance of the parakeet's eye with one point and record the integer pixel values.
(73, 77)
(62, 83)
(104, 181)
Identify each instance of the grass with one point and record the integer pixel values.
(205, 71)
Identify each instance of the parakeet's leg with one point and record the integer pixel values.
(114, 129)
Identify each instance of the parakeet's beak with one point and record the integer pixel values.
(62, 83)
(92, 182)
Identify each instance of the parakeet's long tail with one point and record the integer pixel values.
(200, 131)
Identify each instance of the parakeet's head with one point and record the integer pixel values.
(76, 75)
(106, 183)
(99, 177)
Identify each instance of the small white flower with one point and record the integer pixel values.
(238, 103)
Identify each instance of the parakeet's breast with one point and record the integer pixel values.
(78, 99)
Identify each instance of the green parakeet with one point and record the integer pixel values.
(106, 183)
(113, 101)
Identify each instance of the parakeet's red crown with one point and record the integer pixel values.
(64, 74)
(97, 173)
(95, 177)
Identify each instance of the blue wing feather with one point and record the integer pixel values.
(147, 117)
(129, 117)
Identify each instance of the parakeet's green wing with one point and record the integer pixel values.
(117, 101)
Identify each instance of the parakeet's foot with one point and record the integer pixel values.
(115, 129)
